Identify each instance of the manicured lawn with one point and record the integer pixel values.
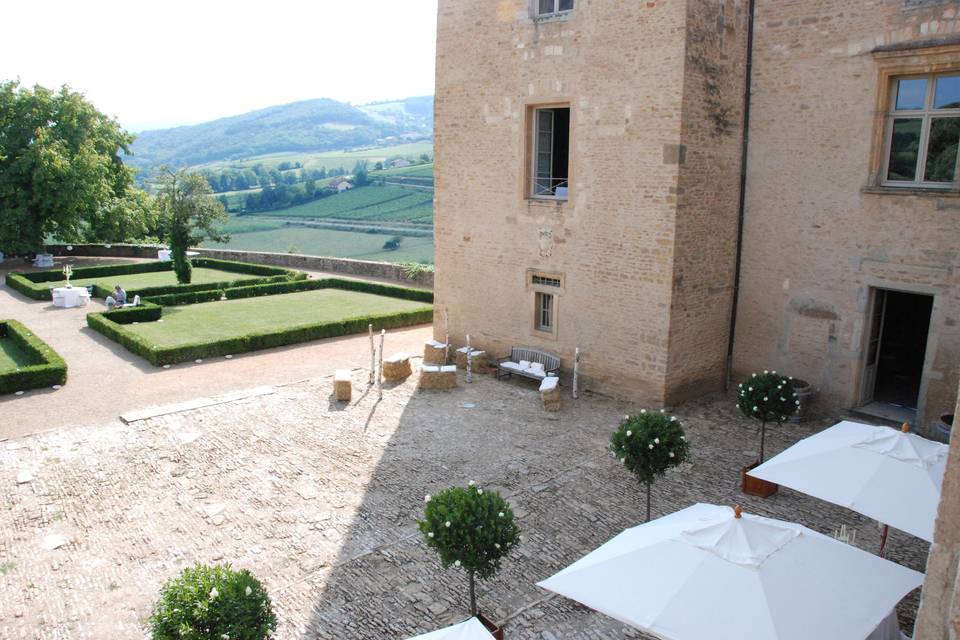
(233, 318)
(161, 279)
(13, 356)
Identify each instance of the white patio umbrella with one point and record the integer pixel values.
(886, 474)
(472, 629)
(708, 572)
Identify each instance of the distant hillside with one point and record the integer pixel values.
(311, 125)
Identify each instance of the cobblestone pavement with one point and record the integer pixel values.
(319, 501)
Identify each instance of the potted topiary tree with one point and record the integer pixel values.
(470, 529)
(648, 445)
(204, 603)
(767, 397)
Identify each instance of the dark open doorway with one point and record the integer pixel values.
(897, 349)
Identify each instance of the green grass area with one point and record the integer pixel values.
(331, 242)
(212, 321)
(326, 159)
(416, 171)
(163, 279)
(13, 356)
(369, 204)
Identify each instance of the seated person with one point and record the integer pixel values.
(111, 302)
(120, 296)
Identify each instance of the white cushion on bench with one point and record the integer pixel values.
(511, 365)
(549, 384)
(435, 368)
(436, 345)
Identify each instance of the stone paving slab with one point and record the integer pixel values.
(319, 500)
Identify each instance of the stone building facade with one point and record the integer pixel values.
(588, 173)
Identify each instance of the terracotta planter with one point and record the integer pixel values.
(755, 486)
(495, 631)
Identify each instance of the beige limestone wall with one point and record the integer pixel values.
(939, 615)
(621, 67)
(817, 237)
(707, 198)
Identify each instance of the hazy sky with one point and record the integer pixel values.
(156, 64)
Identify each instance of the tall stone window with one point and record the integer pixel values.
(546, 289)
(547, 8)
(923, 131)
(550, 170)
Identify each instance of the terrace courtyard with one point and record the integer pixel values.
(319, 501)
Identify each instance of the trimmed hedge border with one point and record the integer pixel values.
(50, 371)
(35, 285)
(110, 323)
(391, 291)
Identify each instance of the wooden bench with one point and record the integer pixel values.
(529, 363)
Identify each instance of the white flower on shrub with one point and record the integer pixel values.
(427, 498)
(656, 441)
(430, 535)
(214, 593)
(671, 454)
(496, 545)
(248, 590)
(471, 483)
(629, 433)
(447, 524)
(457, 563)
(650, 446)
(500, 515)
(479, 492)
(673, 418)
(643, 410)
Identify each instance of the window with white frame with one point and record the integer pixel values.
(553, 7)
(551, 153)
(923, 131)
(544, 312)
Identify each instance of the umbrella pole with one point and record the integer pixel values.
(883, 538)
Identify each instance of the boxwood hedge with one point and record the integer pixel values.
(36, 285)
(49, 370)
(111, 323)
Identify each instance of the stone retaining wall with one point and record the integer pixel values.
(359, 268)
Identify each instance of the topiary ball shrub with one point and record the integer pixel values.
(213, 603)
(470, 529)
(648, 445)
(767, 397)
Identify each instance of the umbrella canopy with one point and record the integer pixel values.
(472, 629)
(883, 473)
(704, 572)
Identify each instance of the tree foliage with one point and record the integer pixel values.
(767, 397)
(61, 173)
(470, 529)
(189, 215)
(648, 445)
(211, 603)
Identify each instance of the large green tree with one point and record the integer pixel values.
(189, 215)
(61, 173)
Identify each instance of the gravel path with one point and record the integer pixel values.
(105, 380)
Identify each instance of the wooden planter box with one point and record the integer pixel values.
(495, 631)
(755, 486)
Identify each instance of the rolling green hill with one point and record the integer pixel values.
(311, 125)
(367, 204)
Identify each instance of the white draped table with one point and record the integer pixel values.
(67, 297)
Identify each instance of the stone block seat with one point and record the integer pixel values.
(478, 360)
(529, 363)
(397, 367)
(342, 385)
(438, 376)
(550, 393)
(435, 353)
